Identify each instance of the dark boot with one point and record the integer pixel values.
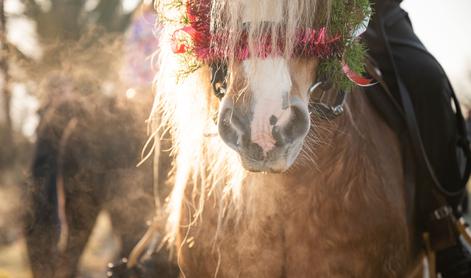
(455, 262)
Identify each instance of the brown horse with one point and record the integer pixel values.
(281, 192)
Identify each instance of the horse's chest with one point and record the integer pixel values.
(342, 247)
(301, 233)
(300, 244)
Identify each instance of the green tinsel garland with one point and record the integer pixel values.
(345, 16)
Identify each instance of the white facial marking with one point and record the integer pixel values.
(270, 84)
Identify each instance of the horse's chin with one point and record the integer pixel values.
(278, 160)
(265, 167)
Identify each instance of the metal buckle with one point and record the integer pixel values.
(442, 212)
(321, 107)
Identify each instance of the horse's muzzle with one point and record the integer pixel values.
(284, 143)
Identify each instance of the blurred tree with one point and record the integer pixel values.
(64, 23)
(69, 19)
(6, 132)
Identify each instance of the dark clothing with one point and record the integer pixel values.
(468, 127)
(432, 131)
(427, 84)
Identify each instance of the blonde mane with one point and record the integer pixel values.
(204, 166)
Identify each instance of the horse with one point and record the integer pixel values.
(88, 145)
(265, 185)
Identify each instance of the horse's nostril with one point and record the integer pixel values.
(256, 152)
(233, 125)
(226, 130)
(297, 127)
(233, 128)
(278, 136)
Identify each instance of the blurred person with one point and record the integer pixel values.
(140, 44)
(437, 132)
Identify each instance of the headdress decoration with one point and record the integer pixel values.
(336, 44)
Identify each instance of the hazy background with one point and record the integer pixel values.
(80, 45)
(445, 29)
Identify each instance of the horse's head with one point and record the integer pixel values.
(264, 115)
(272, 50)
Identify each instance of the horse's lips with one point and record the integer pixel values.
(278, 160)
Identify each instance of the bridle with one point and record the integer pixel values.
(197, 41)
(321, 104)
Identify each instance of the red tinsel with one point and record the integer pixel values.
(182, 38)
(355, 77)
(209, 48)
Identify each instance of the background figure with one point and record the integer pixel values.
(85, 161)
(140, 45)
(91, 132)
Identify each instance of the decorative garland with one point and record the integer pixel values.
(337, 46)
(309, 42)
